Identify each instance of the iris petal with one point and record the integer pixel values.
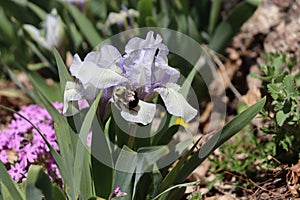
(175, 103)
(143, 113)
(148, 43)
(101, 78)
(106, 57)
(72, 93)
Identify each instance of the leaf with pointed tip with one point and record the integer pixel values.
(180, 172)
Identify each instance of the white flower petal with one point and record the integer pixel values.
(101, 78)
(115, 18)
(36, 36)
(76, 65)
(54, 29)
(106, 57)
(90, 92)
(139, 43)
(163, 73)
(175, 103)
(72, 93)
(143, 113)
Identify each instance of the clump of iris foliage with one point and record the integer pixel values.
(126, 166)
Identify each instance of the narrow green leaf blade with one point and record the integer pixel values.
(81, 157)
(51, 93)
(10, 184)
(147, 159)
(57, 193)
(85, 26)
(145, 10)
(175, 187)
(231, 128)
(64, 75)
(125, 167)
(38, 183)
(231, 26)
(66, 138)
(221, 136)
(214, 15)
(102, 163)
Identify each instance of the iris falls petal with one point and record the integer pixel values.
(143, 113)
(175, 103)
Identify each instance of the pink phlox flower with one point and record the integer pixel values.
(3, 156)
(27, 143)
(16, 171)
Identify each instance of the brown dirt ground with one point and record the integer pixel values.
(274, 27)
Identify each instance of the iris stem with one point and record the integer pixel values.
(132, 133)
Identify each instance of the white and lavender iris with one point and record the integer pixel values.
(51, 35)
(132, 79)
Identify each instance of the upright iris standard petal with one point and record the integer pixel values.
(143, 113)
(146, 63)
(162, 73)
(150, 42)
(175, 102)
(106, 57)
(138, 71)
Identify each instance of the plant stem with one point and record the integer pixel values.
(132, 133)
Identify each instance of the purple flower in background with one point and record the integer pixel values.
(125, 16)
(17, 171)
(130, 81)
(21, 145)
(118, 192)
(3, 156)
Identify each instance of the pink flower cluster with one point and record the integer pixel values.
(21, 145)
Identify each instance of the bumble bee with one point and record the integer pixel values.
(126, 97)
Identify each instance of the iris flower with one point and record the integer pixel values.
(131, 81)
(52, 34)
